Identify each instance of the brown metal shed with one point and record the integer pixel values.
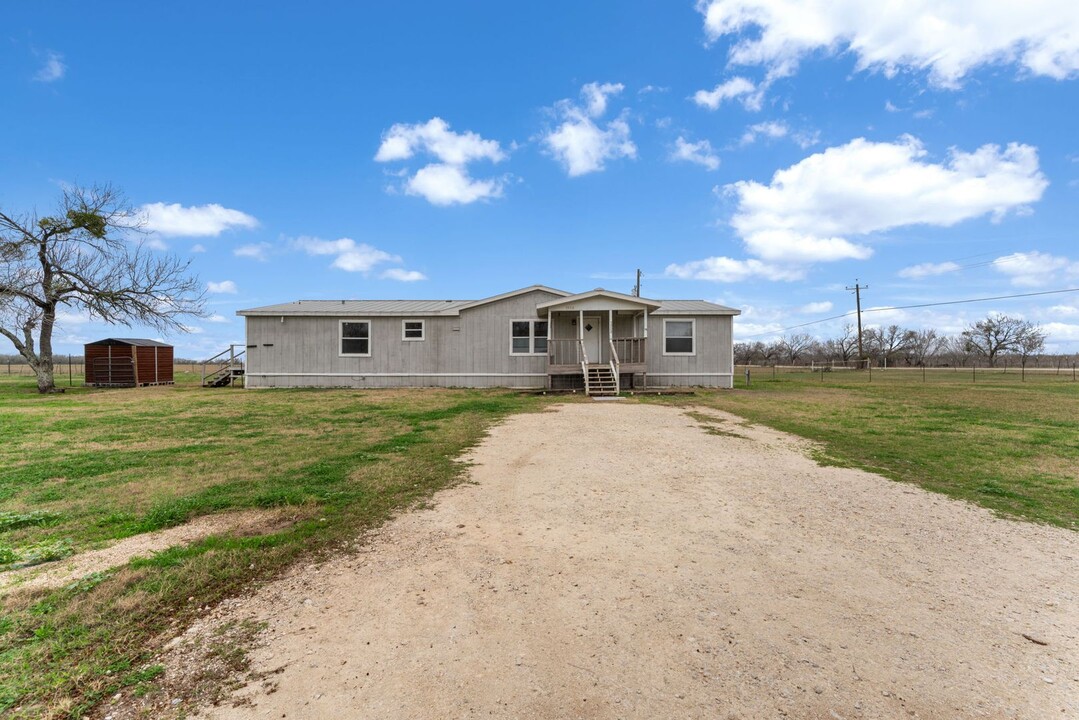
(128, 362)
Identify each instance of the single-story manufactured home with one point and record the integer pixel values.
(537, 337)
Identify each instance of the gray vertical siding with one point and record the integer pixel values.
(469, 350)
(711, 366)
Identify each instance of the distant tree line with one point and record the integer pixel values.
(992, 341)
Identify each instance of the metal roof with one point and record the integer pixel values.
(693, 307)
(137, 342)
(360, 307)
(420, 308)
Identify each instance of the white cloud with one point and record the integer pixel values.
(403, 141)
(928, 269)
(725, 269)
(698, 152)
(579, 143)
(53, 69)
(595, 96)
(256, 251)
(198, 248)
(816, 308)
(442, 184)
(1064, 310)
(350, 255)
(737, 87)
(1035, 269)
(217, 319)
(195, 221)
(770, 129)
(805, 213)
(402, 275)
(446, 182)
(225, 286)
(948, 40)
(890, 107)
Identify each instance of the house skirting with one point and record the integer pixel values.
(390, 380)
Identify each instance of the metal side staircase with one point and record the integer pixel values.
(224, 369)
(600, 380)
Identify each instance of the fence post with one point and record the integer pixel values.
(974, 372)
(1023, 373)
(923, 372)
(70, 382)
(747, 376)
(773, 371)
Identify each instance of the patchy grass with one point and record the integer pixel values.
(89, 466)
(1006, 444)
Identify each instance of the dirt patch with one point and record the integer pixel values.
(617, 560)
(60, 573)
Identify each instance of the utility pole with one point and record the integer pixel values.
(637, 287)
(857, 290)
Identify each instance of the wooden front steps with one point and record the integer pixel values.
(600, 380)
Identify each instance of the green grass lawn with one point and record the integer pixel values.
(89, 466)
(1001, 442)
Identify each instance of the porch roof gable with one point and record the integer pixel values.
(616, 300)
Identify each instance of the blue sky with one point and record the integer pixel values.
(760, 153)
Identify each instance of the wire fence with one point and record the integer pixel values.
(76, 369)
(844, 375)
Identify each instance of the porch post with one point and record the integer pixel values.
(646, 323)
(610, 325)
(580, 325)
(550, 345)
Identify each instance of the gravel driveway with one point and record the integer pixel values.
(619, 560)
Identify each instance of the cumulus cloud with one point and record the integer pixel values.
(928, 269)
(352, 256)
(737, 87)
(725, 269)
(1035, 269)
(198, 248)
(403, 141)
(947, 40)
(808, 211)
(816, 308)
(217, 319)
(448, 181)
(255, 251)
(402, 275)
(225, 286)
(699, 153)
(53, 69)
(770, 129)
(442, 184)
(825, 207)
(195, 221)
(582, 145)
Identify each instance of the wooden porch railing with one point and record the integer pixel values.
(564, 351)
(630, 351)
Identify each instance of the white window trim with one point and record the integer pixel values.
(693, 336)
(340, 336)
(531, 338)
(423, 330)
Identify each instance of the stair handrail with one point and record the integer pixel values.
(616, 365)
(584, 363)
(228, 363)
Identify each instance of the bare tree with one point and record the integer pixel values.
(999, 334)
(886, 343)
(921, 345)
(1030, 340)
(87, 256)
(794, 346)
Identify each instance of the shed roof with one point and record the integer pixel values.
(137, 342)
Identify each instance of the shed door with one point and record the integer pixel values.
(593, 335)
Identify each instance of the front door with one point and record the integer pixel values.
(593, 334)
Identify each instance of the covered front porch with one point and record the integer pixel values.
(597, 341)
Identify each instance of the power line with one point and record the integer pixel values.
(912, 307)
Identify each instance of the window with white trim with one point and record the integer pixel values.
(356, 338)
(679, 337)
(412, 329)
(528, 337)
